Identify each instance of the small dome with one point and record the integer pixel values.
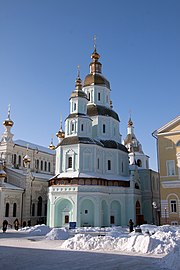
(8, 123)
(96, 79)
(26, 159)
(78, 93)
(60, 134)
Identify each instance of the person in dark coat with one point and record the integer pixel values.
(16, 224)
(131, 225)
(5, 224)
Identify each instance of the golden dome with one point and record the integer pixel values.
(26, 159)
(96, 79)
(8, 123)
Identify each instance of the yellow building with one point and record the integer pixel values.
(168, 152)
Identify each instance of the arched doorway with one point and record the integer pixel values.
(87, 213)
(115, 213)
(62, 213)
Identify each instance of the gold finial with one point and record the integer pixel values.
(94, 39)
(8, 121)
(51, 146)
(27, 159)
(130, 123)
(78, 79)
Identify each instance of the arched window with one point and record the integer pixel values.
(45, 166)
(19, 161)
(104, 128)
(37, 164)
(69, 162)
(33, 209)
(14, 159)
(178, 143)
(7, 210)
(14, 209)
(39, 207)
(41, 165)
(49, 167)
(139, 163)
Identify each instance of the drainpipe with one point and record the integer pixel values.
(22, 204)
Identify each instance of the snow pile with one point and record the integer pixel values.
(57, 234)
(163, 241)
(37, 230)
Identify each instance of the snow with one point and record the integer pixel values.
(161, 242)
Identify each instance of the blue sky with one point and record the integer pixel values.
(43, 41)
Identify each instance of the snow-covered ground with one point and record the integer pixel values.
(156, 247)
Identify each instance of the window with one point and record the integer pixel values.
(72, 127)
(104, 128)
(98, 163)
(139, 163)
(49, 167)
(122, 166)
(109, 164)
(45, 209)
(178, 143)
(14, 159)
(7, 210)
(170, 165)
(33, 209)
(45, 166)
(14, 209)
(39, 207)
(19, 161)
(173, 206)
(99, 96)
(41, 165)
(82, 127)
(37, 164)
(86, 211)
(89, 96)
(69, 162)
(74, 106)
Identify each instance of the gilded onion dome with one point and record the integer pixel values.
(60, 134)
(8, 122)
(95, 77)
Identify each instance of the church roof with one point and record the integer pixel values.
(93, 110)
(96, 79)
(74, 115)
(34, 146)
(114, 145)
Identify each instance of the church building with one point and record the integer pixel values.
(97, 181)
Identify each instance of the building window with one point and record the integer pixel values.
(109, 164)
(74, 106)
(33, 209)
(170, 165)
(104, 128)
(82, 127)
(14, 209)
(173, 206)
(122, 166)
(72, 127)
(19, 161)
(139, 163)
(7, 210)
(99, 96)
(86, 211)
(89, 96)
(98, 163)
(69, 162)
(14, 159)
(45, 166)
(49, 167)
(37, 164)
(178, 143)
(41, 165)
(39, 206)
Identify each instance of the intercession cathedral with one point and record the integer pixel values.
(92, 177)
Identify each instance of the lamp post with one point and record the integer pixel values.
(165, 212)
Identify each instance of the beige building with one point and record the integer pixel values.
(25, 169)
(168, 150)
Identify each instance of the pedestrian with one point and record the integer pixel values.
(5, 224)
(16, 224)
(131, 225)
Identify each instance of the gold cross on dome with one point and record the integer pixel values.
(78, 71)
